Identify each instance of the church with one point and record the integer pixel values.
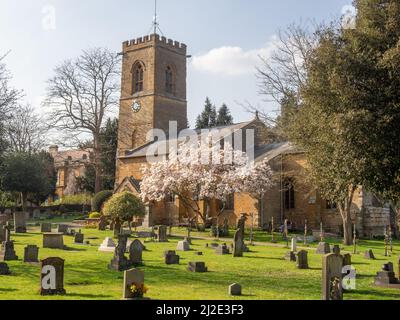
(153, 93)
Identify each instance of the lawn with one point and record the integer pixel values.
(263, 273)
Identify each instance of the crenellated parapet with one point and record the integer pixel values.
(154, 40)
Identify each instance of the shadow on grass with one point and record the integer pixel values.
(88, 295)
(7, 290)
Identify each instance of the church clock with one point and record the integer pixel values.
(136, 106)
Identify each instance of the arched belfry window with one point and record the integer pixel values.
(169, 80)
(137, 77)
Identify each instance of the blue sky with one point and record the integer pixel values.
(225, 38)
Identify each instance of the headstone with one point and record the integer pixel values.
(323, 248)
(161, 233)
(45, 227)
(119, 261)
(336, 249)
(102, 224)
(135, 252)
(225, 228)
(302, 259)
(183, 246)
(52, 277)
(108, 245)
(53, 240)
(2, 232)
(199, 267)
(347, 259)
(4, 269)
(332, 265)
(171, 258)
(7, 232)
(235, 290)
(369, 254)
(36, 213)
(79, 238)
(8, 252)
(387, 276)
(134, 288)
(31, 254)
(291, 256)
(19, 222)
(62, 228)
(238, 244)
(293, 247)
(222, 249)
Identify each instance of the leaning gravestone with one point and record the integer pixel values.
(108, 245)
(332, 266)
(19, 222)
(52, 277)
(199, 267)
(171, 257)
(4, 269)
(222, 250)
(133, 285)
(31, 254)
(235, 290)
(369, 254)
(53, 240)
(302, 259)
(45, 227)
(323, 248)
(135, 252)
(119, 261)
(8, 252)
(183, 246)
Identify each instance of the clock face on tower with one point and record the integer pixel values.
(136, 106)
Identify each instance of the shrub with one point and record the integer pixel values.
(124, 206)
(77, 199)
(100, 198)
(94, 215)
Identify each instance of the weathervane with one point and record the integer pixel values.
(156, 25)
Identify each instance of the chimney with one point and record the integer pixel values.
(53, 150)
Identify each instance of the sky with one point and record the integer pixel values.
(224, 37)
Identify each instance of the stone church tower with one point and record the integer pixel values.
(153, 89)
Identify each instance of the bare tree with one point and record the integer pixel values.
(26, 130)
(81, 95)
(8, 95)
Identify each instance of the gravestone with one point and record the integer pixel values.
(302, 259)
(323, 248)
(19, 222)
(183, 246)
(161, 233)
(347, 259)
(62, 228)
(135, 252)
(31, 254)
(225, 228)
(198, 267)
(8, 252)
(102, 224)
(293, 247)
(45, 227)
(133, 285)
(235, 290)
(336, 249)
(222, 249)
(7, 232)
(36, 213)
(171, 258)
(291, 256)
(387, 276)
(53, 240)
(119, 261)
(52, 277)
(4, 269)
(369, 254)
(2, 232)
(332, 267)
(108, 245)
(128, 245)
(238, 244)
(79, 238)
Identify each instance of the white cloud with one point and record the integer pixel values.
(231, 61)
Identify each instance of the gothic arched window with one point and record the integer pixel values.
(169, 80)
(138, 78)
(289, 195)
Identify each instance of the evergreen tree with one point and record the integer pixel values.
(207, 119)
(224, 116)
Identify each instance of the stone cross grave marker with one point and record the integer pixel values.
(332, 265)
(52, 277)
(133, 284)
(31, 254)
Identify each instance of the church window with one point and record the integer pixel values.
(169, 80)
(289, 195)
(138, 78)
(133, 137)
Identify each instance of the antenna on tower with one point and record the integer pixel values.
(156, 25)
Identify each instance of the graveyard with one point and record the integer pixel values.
(262, 273)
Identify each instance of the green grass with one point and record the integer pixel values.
(263, 273)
